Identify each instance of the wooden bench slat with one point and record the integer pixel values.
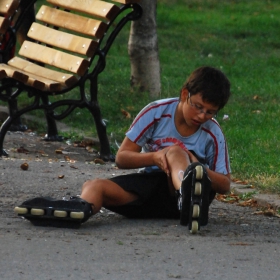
(30, 79)
(77, 23)
(33, 83)
(54, 57)
(12, 72)
(126, 1)
(63, 78)
(4, 24)
(63, 40)
(100, 9)
(43, 84)
(8, 7)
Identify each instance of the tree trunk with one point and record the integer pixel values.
(143, 51)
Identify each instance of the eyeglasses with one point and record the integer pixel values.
(199, 109)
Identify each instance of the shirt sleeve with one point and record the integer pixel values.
(217, 152)
(142, 127)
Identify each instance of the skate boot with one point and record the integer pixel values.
(45, 211)
(193, 201)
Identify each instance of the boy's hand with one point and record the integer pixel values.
(192, 157)
(161, 161)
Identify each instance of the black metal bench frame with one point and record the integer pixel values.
(25, 8)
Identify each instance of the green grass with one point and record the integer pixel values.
(242, 39)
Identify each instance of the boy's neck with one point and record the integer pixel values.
(181, 125)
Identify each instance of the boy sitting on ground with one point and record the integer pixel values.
(183, 157)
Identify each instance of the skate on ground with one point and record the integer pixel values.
(193, 201)
(45, 211)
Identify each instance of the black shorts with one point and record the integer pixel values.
(155, 199)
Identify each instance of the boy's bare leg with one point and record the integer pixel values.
(44, 211)
(102, 192)
(178, 160)
(193, 199)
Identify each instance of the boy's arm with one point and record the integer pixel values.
(219, 182)
(129, 156)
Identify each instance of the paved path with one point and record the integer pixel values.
(236, 244)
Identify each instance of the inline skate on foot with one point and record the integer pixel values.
(193, 201)
(45, 211)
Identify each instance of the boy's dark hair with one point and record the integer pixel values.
(211, 83)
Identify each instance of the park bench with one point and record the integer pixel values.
(66, 49)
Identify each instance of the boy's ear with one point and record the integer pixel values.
(184, 94)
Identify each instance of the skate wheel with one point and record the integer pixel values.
(194, 227)
(21, 210)
(199, 172)
(60, 214)
(197, 188)
(196, 211)
(77, 215)
(37, 212)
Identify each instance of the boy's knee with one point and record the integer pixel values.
(175, 150)
(176, 154)
(90, 184)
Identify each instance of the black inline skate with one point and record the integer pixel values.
(193, 201)
(45, 211)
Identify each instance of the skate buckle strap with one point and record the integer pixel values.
(181, 175)
(184, 178)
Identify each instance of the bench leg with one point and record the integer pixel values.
(3, 130)
(52, 133)
(105, 149)
(13, 109)
(16, 125)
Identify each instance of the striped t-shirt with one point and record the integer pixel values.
(154, 129)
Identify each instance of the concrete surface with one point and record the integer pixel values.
(237, 243)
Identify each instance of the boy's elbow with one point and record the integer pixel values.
(120, 161)
(225, 186)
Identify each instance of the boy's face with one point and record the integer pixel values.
(195, 110)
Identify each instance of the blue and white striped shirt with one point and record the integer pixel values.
(154, 129)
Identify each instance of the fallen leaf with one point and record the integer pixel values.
(269, 212)
(89, 149)
(67, 158)
(126, 114)
(84, 143)
(99, 161)
(22, 150)
(72, 166)
(24, 166)
(258, 213)
(249, 202)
